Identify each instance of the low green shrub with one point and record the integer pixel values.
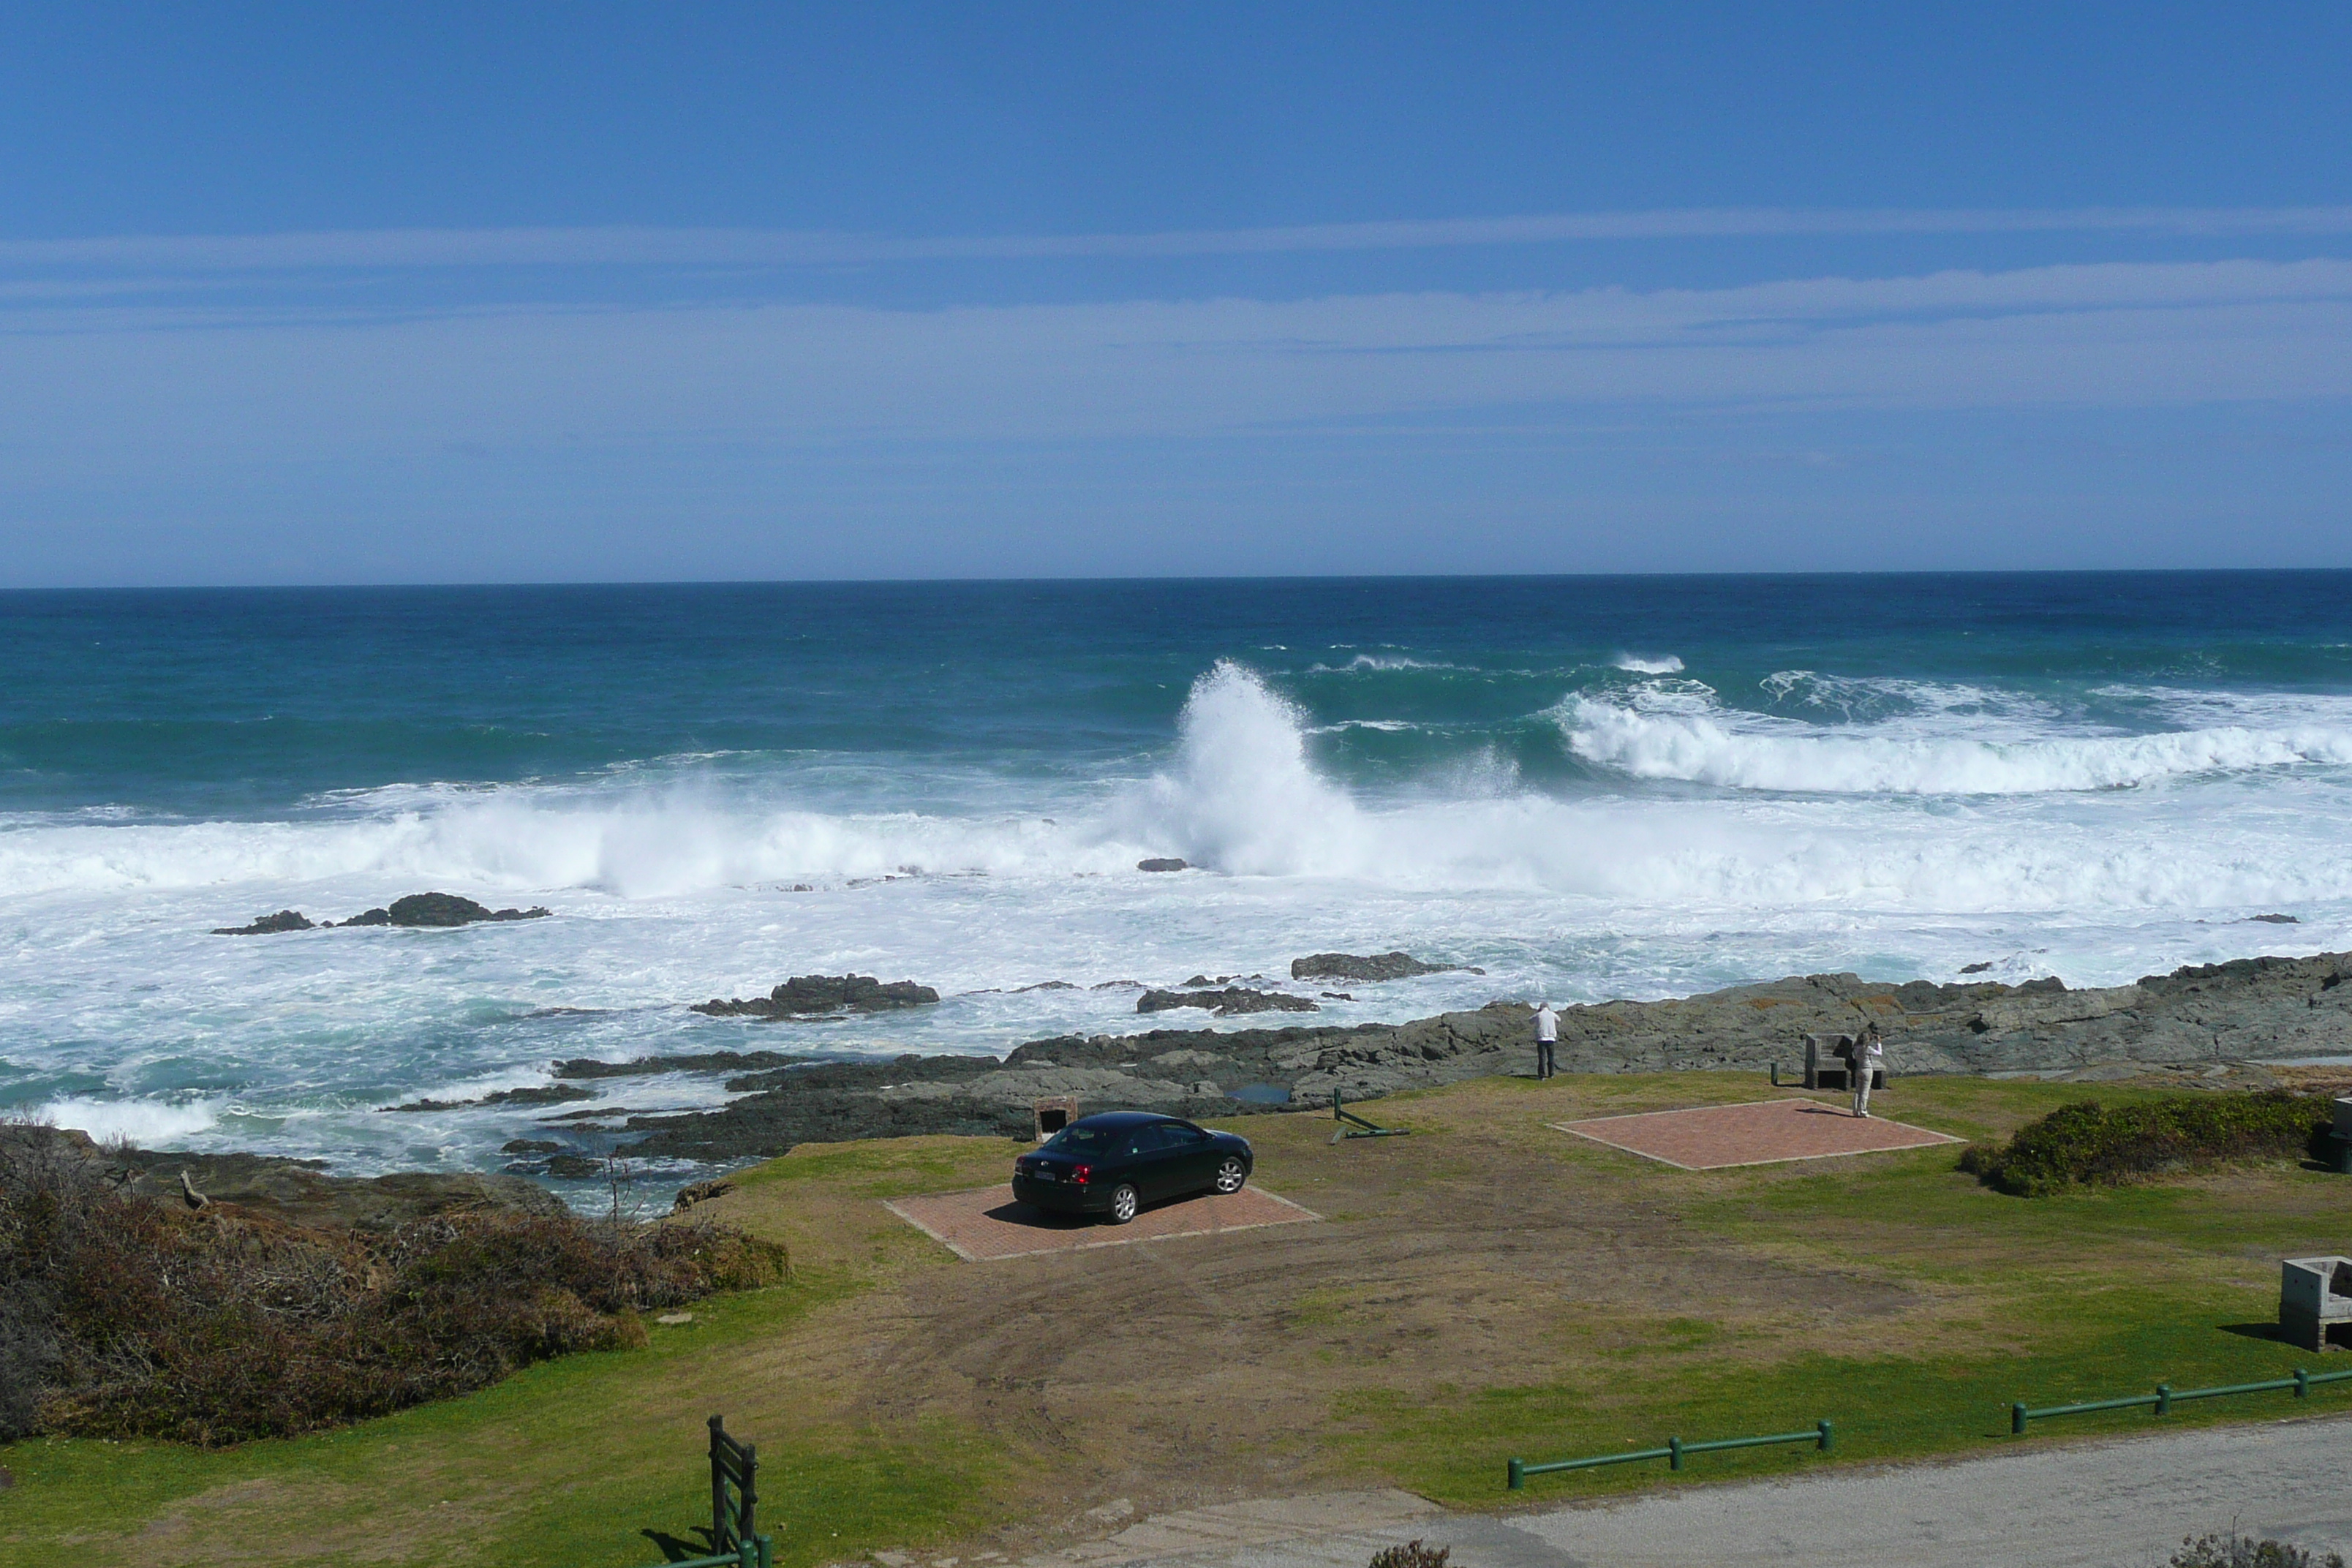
(2235, 1550)
(2094, 1144)
(1412, 1555)
(125, 1316)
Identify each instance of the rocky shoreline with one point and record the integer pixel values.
(2200, 1016)
(297, 1192)
(2190, 1025)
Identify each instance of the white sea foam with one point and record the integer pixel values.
(144, 1123)
(1364, 661)
(1636, 664)
(1242, 795)
(667, 893)
(1713, 747)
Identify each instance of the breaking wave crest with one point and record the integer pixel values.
(1242, 795)
(1703, 744)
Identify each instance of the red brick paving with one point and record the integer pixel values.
(1761, 1133)
(989, 1223)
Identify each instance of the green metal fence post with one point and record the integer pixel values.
(2302, 1384)
(1519, 1474)
(1828, 1436)
(767, 1551)
(2164, 1399)
(1673, 1453)
(2017, 1420)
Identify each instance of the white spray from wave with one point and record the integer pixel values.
(1241, 795)
(145, 1123)
(1243, 798)
(1753, 753)
(1637, 665)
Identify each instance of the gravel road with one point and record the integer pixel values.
(2121, 1504)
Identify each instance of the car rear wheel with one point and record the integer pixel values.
(1231, 1174)
(1122, 1204)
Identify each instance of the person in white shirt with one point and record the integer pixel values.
(1869, 1056)
(1546, 1037)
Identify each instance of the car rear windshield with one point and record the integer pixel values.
(1095, 1141)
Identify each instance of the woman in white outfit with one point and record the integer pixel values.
(1869, 1056)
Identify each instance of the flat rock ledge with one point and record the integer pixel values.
(821, 996)
(2202, 1015)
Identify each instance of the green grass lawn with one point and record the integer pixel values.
(1899, 1298)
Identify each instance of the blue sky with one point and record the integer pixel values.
(498, 293)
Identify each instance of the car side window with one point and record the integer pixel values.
(1140, 1142)
(1181, 1136)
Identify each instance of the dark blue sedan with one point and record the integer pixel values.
(1115, 1163)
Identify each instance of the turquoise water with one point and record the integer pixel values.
(1592, 787)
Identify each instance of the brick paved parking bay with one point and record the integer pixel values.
(989, 1223)
(1761, 1133)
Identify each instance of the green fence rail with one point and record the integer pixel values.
(752, 1551)
(1822, 1435)
(2166, 1396)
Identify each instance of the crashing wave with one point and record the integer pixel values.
(1712, 747)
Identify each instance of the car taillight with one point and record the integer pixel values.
(1082, 1175)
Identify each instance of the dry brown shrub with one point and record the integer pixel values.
(125, 1316)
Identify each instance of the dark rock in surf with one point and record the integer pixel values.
(439, 910)
(820, 995)
(1159, 864)
(1225, 1004)
(537, 1094)
(1976, 968)
(1372, 967)
(702, 1061)
(2276, 919)
(267, 925)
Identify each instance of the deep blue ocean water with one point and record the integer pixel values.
(1592, 787)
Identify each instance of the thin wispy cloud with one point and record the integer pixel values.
(132, 389)
(645, 247)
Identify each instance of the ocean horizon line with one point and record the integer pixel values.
(1911, 575)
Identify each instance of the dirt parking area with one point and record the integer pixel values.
(1482, 1249)
(986, 1224)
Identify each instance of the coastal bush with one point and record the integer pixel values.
(2094, 1144)
(128, 1316)
(2236, 1551)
